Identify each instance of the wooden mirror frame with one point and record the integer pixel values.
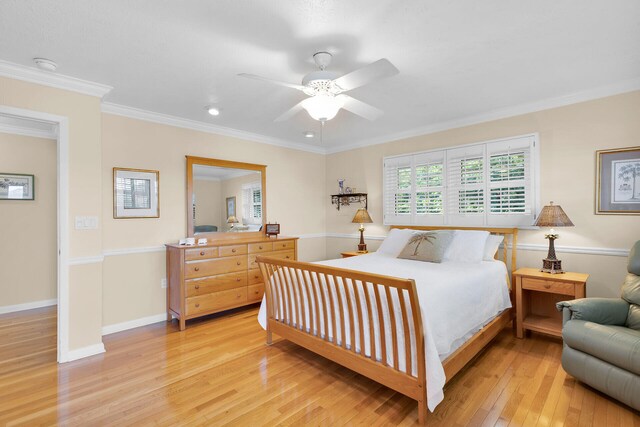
(204, 161)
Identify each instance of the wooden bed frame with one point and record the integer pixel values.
(292, 294)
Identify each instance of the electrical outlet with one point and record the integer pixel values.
(163, 283)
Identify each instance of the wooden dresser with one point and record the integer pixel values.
(219, 276)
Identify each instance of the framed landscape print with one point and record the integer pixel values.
(17, 186)
(136, 193)
(618, 181)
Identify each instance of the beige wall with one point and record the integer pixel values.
(29, 228)
(207, 195)
(85, 198)
(569, 137)
(295, 197)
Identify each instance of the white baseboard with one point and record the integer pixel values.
(136, 323)
(83, 352)
(28, 306)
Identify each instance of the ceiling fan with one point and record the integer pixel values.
(326, 89)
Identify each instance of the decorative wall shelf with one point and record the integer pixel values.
(347, 199)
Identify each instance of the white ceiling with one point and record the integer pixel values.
(456, 59)
(215, 173)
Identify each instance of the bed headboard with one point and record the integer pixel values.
(509, 244)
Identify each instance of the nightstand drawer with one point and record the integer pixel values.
(550, 286)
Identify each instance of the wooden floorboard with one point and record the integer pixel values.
(220, 372)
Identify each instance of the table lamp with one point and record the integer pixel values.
(552, 216)
(362, 217)
(232, 220)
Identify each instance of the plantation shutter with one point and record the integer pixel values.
(466, 185)
(397, 189)
(429, 195)
(510, 182)
(252, 203)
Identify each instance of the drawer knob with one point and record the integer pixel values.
(259, 247)
(197, 286)
(547, 286)
(233, 250)
(197, 269)
(238, 263)
(202, 253)
(256, 276)
(197, 304)
(238, 296)
(238, 279)
(287, 257)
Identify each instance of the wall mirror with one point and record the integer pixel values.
(225, 198)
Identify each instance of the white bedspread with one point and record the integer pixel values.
(456, 300)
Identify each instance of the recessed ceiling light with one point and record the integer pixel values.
(214, 111)
(45, 64)
(309, 134)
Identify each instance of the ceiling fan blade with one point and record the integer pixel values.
(275, 82)
(360, 108)
(377, 70)
(290, 112)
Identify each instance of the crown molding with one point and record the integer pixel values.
(165, 119)
(25, 131)
(59, 81)
(503, 113)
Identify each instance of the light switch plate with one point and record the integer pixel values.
(86, 222)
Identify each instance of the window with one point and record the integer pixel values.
(252, 203)
(484, 184)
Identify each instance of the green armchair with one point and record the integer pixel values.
(602, 338)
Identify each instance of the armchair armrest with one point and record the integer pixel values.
(605, 311)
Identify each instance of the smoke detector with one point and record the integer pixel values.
(45, 64)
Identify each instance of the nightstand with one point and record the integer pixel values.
(352, 253)
(536, 297)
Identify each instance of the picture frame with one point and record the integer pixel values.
(136, 193)
(618, 181)
(231, 206)
(17, 186)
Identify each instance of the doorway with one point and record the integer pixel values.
(27, 123)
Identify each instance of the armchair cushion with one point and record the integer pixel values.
(617, 345)
(605, 311)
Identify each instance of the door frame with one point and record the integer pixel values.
(62, 143)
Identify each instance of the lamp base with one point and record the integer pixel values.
(362, 249)
(553, 266)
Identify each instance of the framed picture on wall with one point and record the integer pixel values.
(618, 181)
(231, 206)
(136, 193)
(17, 186)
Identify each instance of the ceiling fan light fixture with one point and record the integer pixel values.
(322, 107)
(214, 111)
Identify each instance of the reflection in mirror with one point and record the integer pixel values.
(226, 200)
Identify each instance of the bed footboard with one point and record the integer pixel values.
(368, 323)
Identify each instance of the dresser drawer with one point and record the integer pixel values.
(194, 269)
(254, 277)
(260, 247)
(255, 292)
(548, 286)
(278, 254)
(200, 253)
(215, 301)
(232, 250)
(282, 245)
(222, 282)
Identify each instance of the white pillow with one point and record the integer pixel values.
(467, 246)
(491, 246)
(395, 241)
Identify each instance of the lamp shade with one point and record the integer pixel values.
(362, 217)
(553, 216)
(232, 220)
(322, 107)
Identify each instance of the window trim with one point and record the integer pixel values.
(411, 218)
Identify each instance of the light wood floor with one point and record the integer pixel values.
(219, 372)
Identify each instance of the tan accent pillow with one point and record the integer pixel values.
(428, 246)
